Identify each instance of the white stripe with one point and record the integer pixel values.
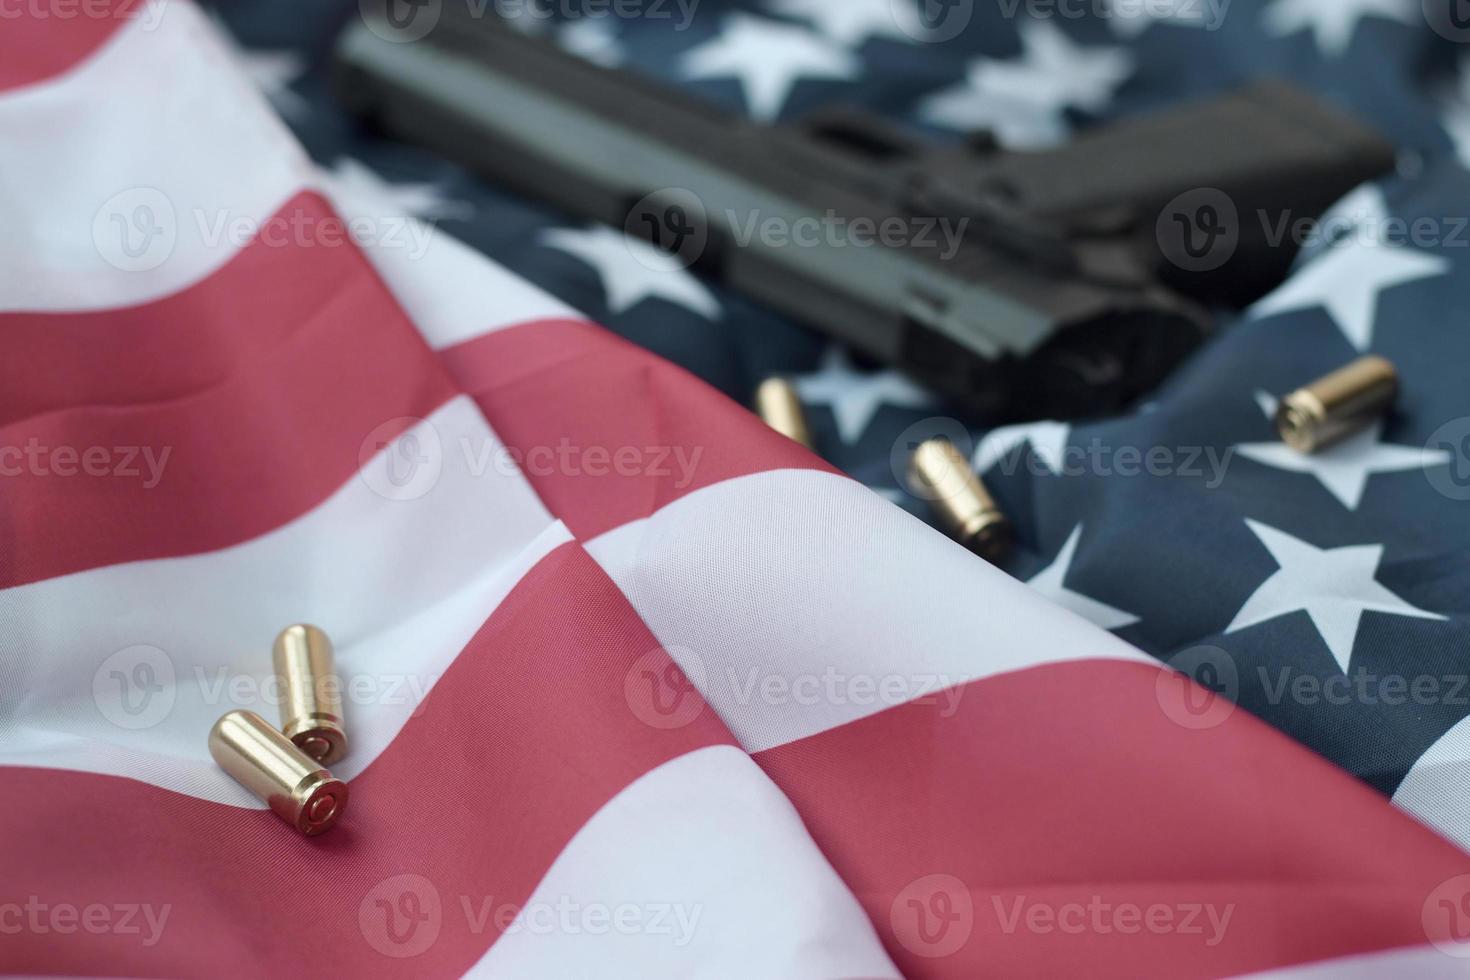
(1437, 788)
(1411, 963)
(160, 118)
(155, 131)
(797, 601)
(400, 585)
(712, 874)
(452, 292)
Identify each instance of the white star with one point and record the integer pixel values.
(1130, 19)
(856, 396)
(1344, 468)
(1334, 586)
(1023, 101)
(852, 22)
(1363, 207)
(632, 270)
(593, 39)
(1016, 124)
(1048, 443)
(1055, 72)
(1051, 582)
(1333, 21)
(1347, 280)
(768, 58)
(1361, 214)
(1267, 403)
(358, 182)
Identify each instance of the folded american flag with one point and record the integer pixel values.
(635, 686)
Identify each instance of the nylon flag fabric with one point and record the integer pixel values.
(635, 687)
(1164, 526)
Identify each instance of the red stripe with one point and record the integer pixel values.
(1099, 794)
(1068, 786)
(261, 383)
(44, 38)
(573, 399)
(523, 739)
(182, 344)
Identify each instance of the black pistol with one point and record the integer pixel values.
(1063, 283)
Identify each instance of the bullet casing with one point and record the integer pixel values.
(1337, 406)
(311, 702)
(778, 405)
(265, 762)
(941, 473)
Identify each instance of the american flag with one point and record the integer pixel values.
(635, 686)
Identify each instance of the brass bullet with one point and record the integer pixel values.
(265, 762)
(779, 407)
(311, 693)
(1337, 406)
(939, 472)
